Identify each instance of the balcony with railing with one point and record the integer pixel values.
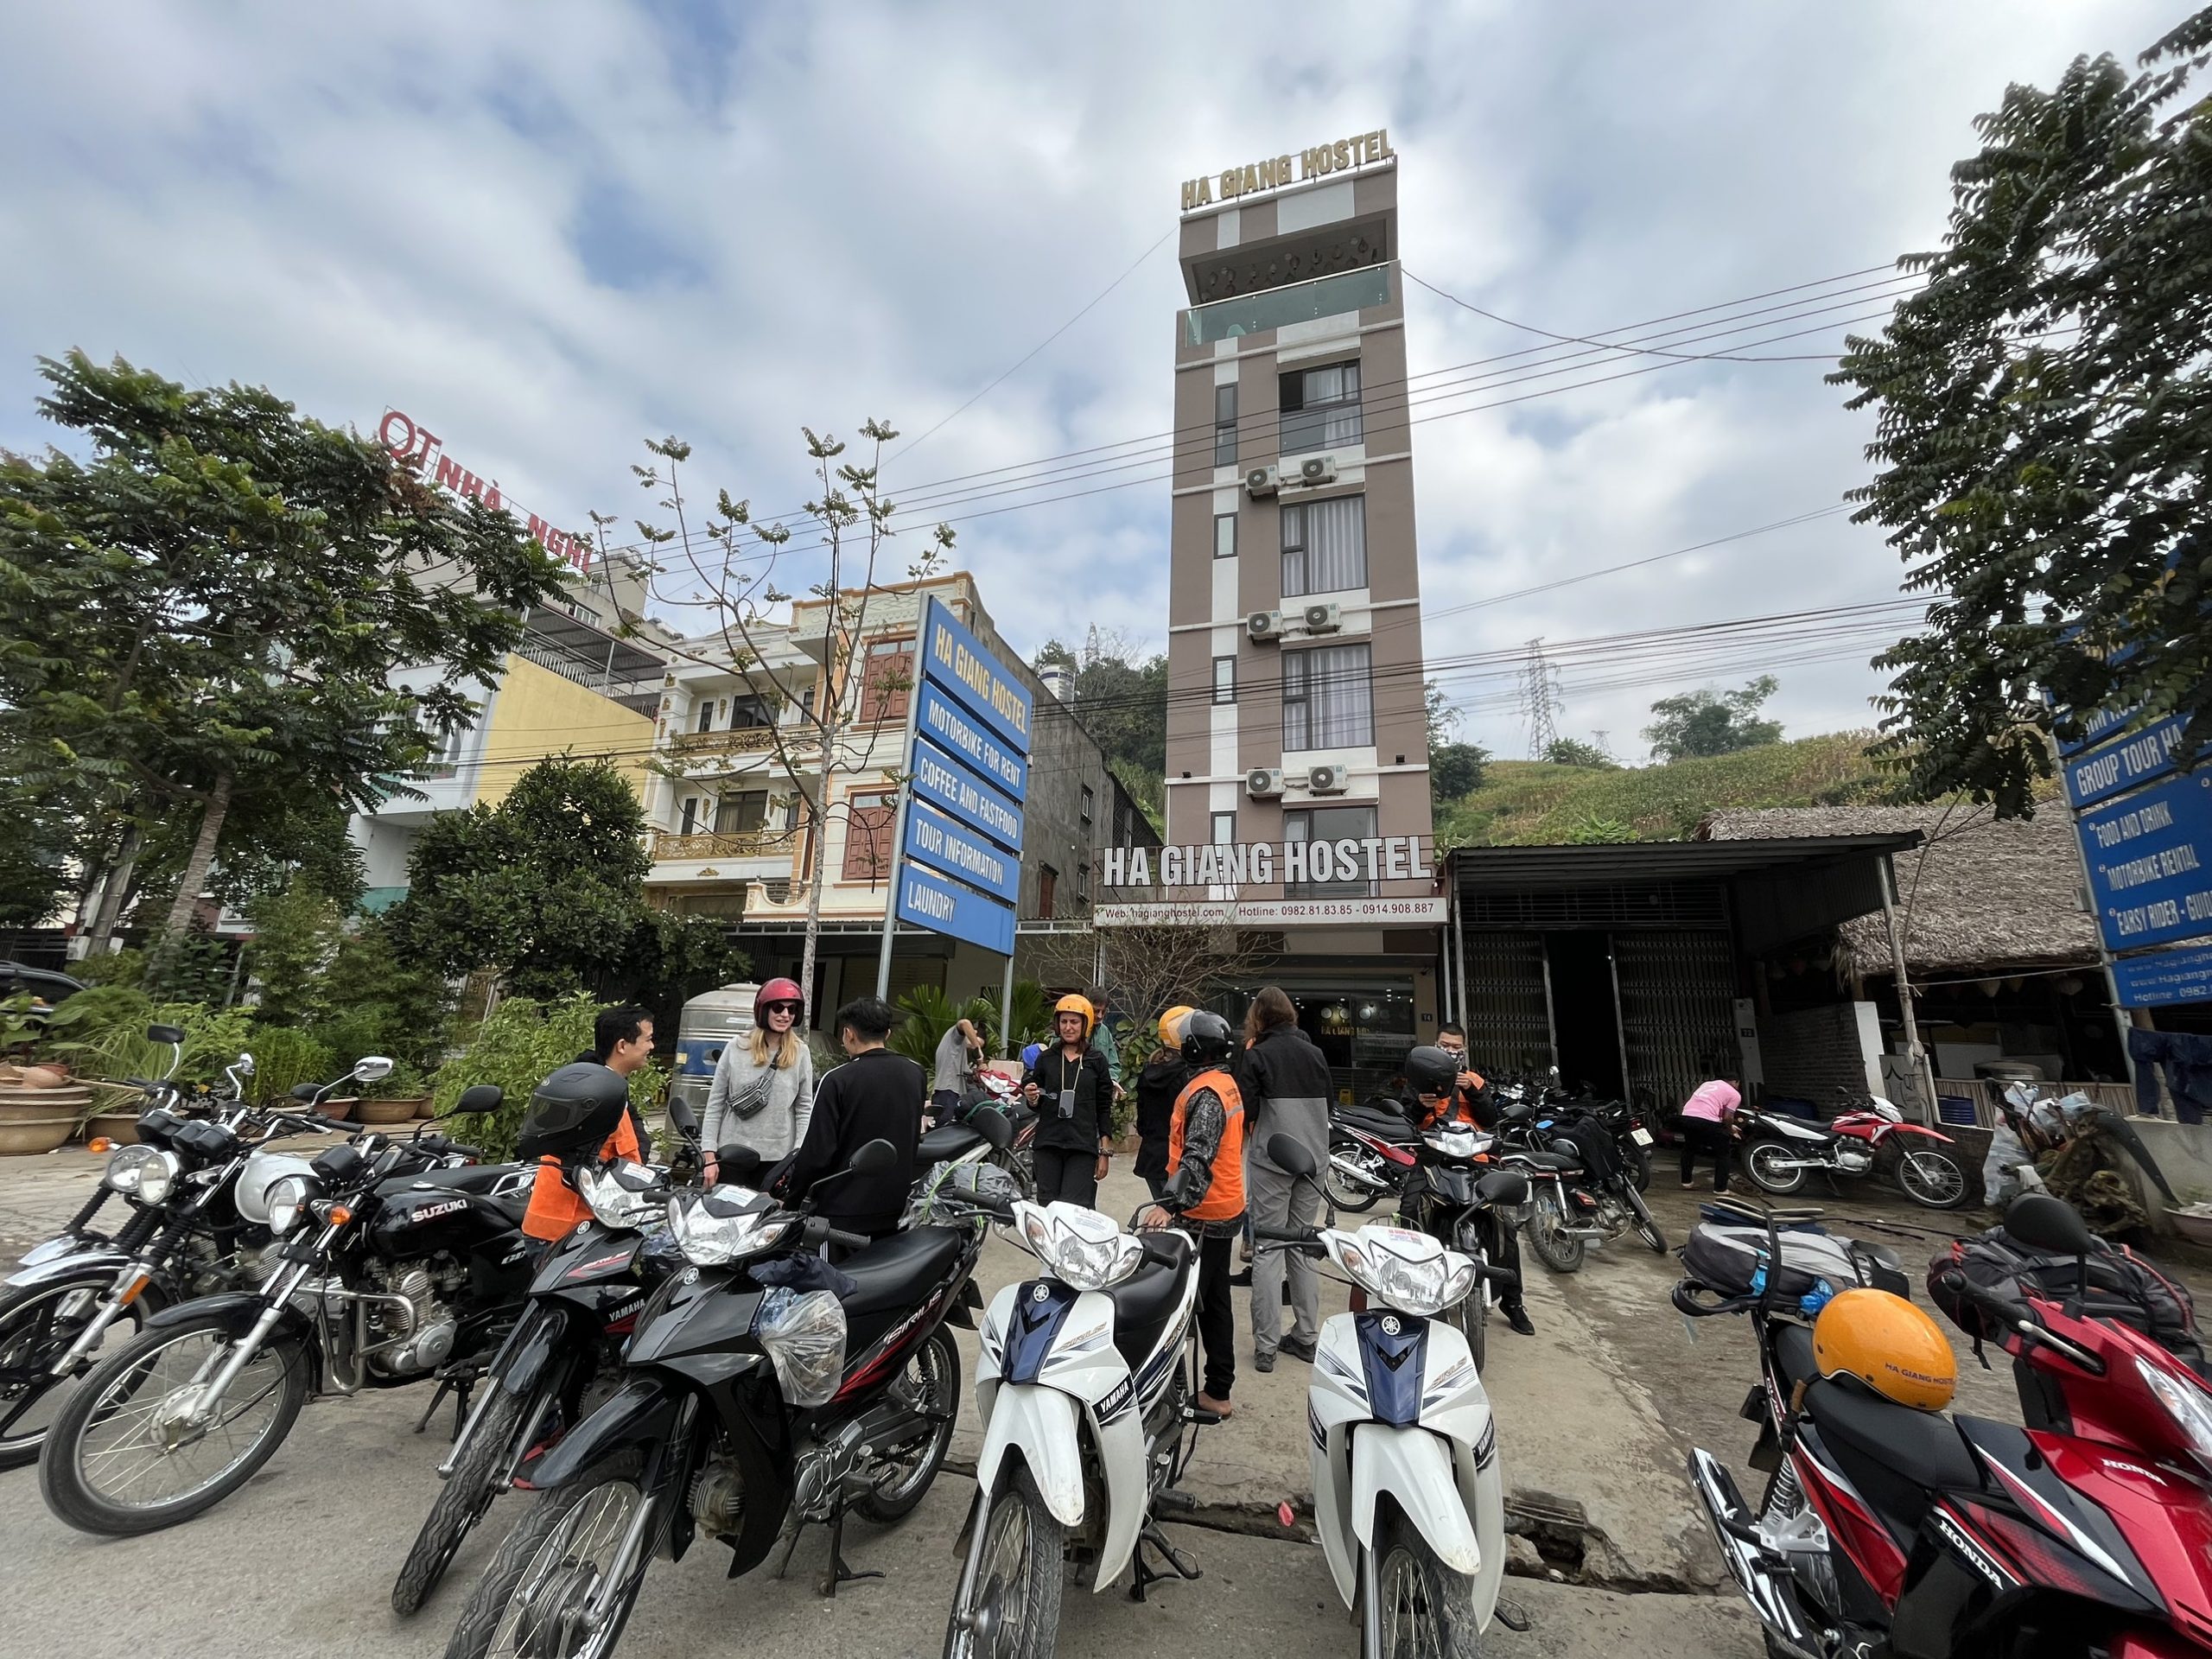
(1276, 307)
(743, 739)
(1324, 426)
(669, 847)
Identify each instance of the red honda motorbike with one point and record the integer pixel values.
(1780, 1151)
(1889, 1531)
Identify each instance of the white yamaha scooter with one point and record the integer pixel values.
(1408, 1498)
(1084, 1390)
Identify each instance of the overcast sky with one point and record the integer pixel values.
(549, 233)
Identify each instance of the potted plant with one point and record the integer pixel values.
(400, 1096)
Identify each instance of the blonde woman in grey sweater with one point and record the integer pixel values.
(763, 1089)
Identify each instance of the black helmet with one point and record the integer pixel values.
(1207, 1040)
(573, 1111)
(1431, 1071)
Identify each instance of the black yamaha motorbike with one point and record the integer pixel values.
(762, 1382)
(392, 1265)
(1458, 1196)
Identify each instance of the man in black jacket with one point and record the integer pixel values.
(874, 1096)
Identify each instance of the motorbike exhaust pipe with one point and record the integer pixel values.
(1770, 1596)
(1352, 1172)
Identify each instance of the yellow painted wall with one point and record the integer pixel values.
(537, 715)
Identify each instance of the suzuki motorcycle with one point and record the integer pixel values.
(1780, 1151)
(1409, 1495)
(760, 1382)
(389, 1265)
(1460, 1198)
(1084, 1388)
(1885, 1529)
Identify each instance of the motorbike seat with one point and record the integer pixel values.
(1144, 1300)
(1921, 1446)
(945, 1143)
(1561, 1161)
(460, 1178)
(897, 1271)
(1793, 1352)
(1384, 1126)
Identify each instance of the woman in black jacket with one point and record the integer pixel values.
(1071, 1091)
(1287, 1088)
(1158, 1084)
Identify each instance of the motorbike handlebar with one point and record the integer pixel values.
(1286, 1235)
(817, 1231)
(1503, 1278)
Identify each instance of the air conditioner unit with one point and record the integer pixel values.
(1262, 783)
(1262, 480)
(1329, 780)
(1316, 470)
(1324, 619)
(1264, 625)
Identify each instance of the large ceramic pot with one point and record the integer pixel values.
(119, 1128)
(338, 1110)
(28, 1105)
(384, 1113)
(426, 1107)
(23, 1135)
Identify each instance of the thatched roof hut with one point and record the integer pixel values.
(1978, 895)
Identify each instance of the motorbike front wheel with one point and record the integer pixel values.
(528, 1604)
(1556, 1248)
(1427, 1611)
(1769, 1165)
(1010, 1604)
(468, 1493)
(120, 1461)
(931, 1386)
(37, 1324)
(1646, 1228)
(1932, 1179)
(1346, 1193)
(1639, 1165)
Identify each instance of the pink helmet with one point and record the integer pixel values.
(777, 991)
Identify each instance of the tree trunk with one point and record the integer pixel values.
(196, 867)
(112, 895)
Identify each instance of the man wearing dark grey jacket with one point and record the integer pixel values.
(1286, 1090)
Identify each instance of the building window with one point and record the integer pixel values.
(1224, 535)
(1089, 802)
(1224, 679)
(1083, 884)
(887, 675)
(1224, 829)
(690, 816)
(751, 709)
(706, 716)
(867, 836)
(1324, 546)
(1224, 426)
(1320, 408)
(1334, 869)
(1047, 879)
(1328, 699)
(740, 812)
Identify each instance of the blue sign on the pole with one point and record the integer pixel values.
(950, 787)
(954, 658)
(958, 732)
(2160, 977)
(951, 849)
(927, 900)
(2150, 858)
(2101, 773)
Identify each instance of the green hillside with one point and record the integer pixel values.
(1525, 803)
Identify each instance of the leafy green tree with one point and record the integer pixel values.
(515, 1046)
(202, 615)
(296, 931)
(1455, 769)
(1704, 722)
(2043, 433)
(1592, 830)
(1120, 698)
(1573, 751)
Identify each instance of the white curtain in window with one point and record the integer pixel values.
(1324, 546)
(1327, 700)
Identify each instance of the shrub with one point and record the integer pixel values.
(110, 968)
(515, 1047)
(283, 1059)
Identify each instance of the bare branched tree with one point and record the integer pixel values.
(1144, 971)
(826, 701)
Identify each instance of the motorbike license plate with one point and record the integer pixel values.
(1642, 1137)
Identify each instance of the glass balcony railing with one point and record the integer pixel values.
(1332, 426)
(1273, 308)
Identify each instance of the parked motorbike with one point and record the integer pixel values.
(1780, 1151)
(184, 1237)
(1370, 1151)
(1888, 1530)
(760, 1382)
(1581, 1193)
(1460, 1198)
(1409, 1495)
(1084, 1388)
(565, 1347)
(391, 1265)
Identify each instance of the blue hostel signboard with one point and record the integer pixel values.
(2114, 768)
(2150, 858)
(959, 842)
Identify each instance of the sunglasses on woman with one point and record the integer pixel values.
(792, 1008)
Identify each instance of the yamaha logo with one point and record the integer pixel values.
(1043, 1292)
(1389, 1324)
(690, 1275)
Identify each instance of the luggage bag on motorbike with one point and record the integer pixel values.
(1733, 1261)
(2123, 1287)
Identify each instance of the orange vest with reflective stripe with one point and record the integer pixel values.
(1225, 1200)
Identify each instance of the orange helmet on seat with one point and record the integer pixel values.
(1888, 1345)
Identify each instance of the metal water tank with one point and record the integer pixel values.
(710, 1020)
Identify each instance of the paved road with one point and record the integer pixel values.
(1595, 1415)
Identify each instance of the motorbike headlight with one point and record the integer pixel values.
(1406, 1270)
(727, 1224)
(288, 1200)
(144, 1172)
(622, 1196)
(1078, 1247)
(2188, 1407)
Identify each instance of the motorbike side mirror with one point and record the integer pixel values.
(737, 1165)
(372, 1068)
(243, 1066)
(168, 1035)
(1502, 1186)
(875, 1157)
(992, 1125)
(682, 1117)
(478, 1099)
(1288, 1153)
(305, 1093)
(2048, 1224)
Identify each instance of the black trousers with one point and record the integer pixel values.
(1703, 1134)
(1070, 1175)
(1218, 1314)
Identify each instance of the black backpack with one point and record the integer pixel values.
(2123, 1287)
(572, 1112)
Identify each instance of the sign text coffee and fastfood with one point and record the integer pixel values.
(1273, 172)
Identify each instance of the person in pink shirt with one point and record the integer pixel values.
(1708, 1125)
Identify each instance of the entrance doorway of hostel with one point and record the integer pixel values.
(1363, 1031)
(1586, 1013)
